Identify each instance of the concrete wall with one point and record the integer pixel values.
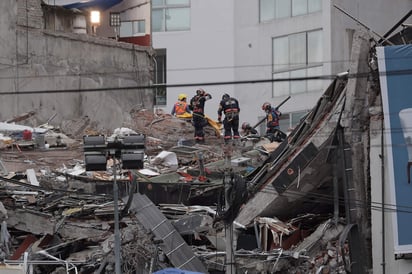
(100, 74)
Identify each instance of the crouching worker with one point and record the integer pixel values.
(181, 108)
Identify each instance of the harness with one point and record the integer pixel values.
(231, 109)
(196, 105)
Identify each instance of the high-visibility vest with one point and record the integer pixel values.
(180, 107)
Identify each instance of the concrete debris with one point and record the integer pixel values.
(60, 217)
(189, 207)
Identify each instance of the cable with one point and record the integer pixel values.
(154, 86)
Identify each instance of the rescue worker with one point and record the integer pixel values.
(230, 107)
(181, 108)
(197, 105)
(272, 121)
(248, 129)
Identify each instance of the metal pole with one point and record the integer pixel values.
(116, 222)
(229, 228)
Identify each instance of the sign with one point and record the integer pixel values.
(395, 68)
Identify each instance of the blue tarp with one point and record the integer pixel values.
(175, 271)
(83, 4)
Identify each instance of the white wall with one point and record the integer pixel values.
(202, 55)
(253, 58)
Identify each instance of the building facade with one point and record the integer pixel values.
(250, 49)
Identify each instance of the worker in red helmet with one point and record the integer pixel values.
(230, 107)
(197, 105)
(272, 118)
(248, 129)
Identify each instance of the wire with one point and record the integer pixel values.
(325, 198)
(155, 86)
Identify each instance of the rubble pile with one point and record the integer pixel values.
(59, 218)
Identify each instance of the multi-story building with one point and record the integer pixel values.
(252, 47)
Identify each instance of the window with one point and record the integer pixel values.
(298, 56)
(276, 9)
(170, 15)
(132, 28)
(288, 121)
(160, 77)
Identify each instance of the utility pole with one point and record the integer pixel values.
(230, 262)
(127, 150)
(116, 221)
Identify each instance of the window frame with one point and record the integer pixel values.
(160, 77)
(133, 32)
(295, 69)
(292, 11)
(164, 12)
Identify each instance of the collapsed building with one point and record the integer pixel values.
(300, 205)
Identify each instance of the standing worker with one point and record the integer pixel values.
(272, 121)
(181, 107)
(197, 105)
(230, 107)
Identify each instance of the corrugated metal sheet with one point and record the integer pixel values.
(174, 246)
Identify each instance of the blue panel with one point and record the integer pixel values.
(397, 99)
(100, 4)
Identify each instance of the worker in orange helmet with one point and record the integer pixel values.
(181, 107)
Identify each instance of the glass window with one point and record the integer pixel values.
(177, 19)
(170, 15)
(281, 88)
(158, 20)
(178, 2)
(297, 55)
(283, 8)
(296, 118)
(160, 77)
(126, 29)
(267, 10)
(156, 3)
(315, 48)
(284, 122)
(314, 5)
(314, 85)
(288, 121)
(298, 86)
(132, 28)
(280, 53)
(276, 9)
(299, 7)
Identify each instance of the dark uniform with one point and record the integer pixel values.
(197, 105)
(230, 107)
(273, 131)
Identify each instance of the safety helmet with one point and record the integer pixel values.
(200, 91)
(181, 96)
(245, 125)
(225, 96)
(266, 106)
